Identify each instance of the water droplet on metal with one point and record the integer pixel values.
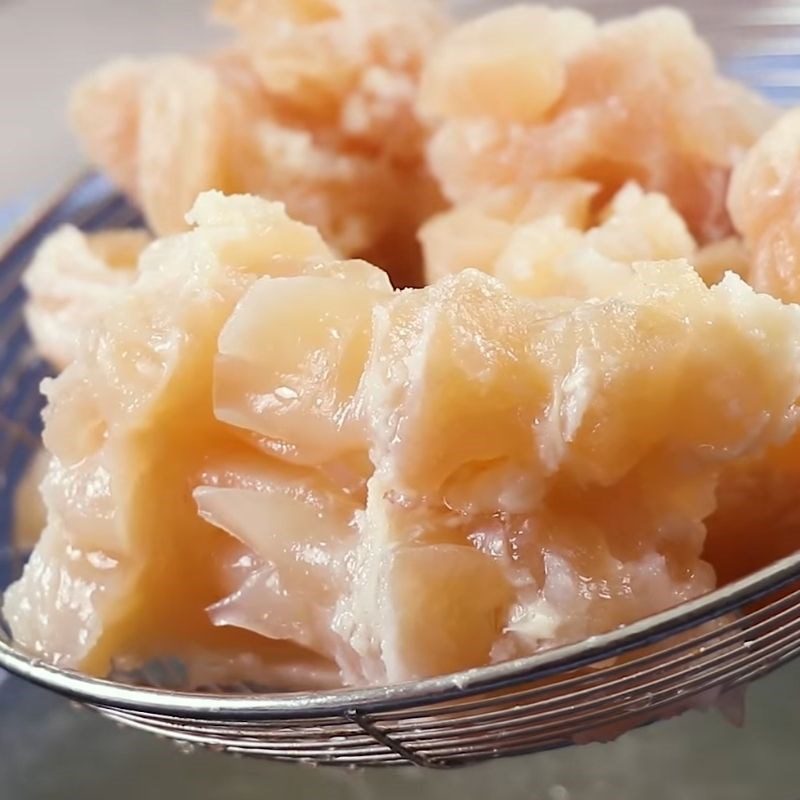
(641, 703)
(185, 747)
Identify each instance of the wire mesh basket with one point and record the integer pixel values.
(697, 654)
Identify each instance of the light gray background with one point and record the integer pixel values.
(50, 751)
(45, 45)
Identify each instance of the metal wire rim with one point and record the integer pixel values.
(300, 705)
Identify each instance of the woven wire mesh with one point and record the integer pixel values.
(698, 654)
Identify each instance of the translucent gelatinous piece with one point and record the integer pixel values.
(126, 568)
(271, 465)
(549, 257)
(313, 109)
(764, 201)
(574, 443)
(641, 101)
(510, 65)
(71, 279)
